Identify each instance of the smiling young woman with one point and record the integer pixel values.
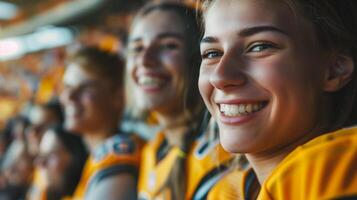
(278, 76)
(163, 68)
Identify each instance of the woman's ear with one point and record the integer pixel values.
(339, 73)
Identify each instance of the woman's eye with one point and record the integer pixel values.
(260, 47)
(211, 54)
(169, 46)
(136, 49)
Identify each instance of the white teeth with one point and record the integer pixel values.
(240, 109)
(249, 108)
(149, 81)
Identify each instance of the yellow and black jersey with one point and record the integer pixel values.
(118, 154)
(38, 188)
(206, 163)
(323, 168)
(230, 187)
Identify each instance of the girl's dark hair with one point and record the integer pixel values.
(335, 23)
(10, 126)
(75, 146)
(193, 104)
(105, 64)
(55, 107)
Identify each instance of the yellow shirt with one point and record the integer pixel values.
(120, 153)
(323, 168)
(37, 190)
(229, 187)
(206, 163)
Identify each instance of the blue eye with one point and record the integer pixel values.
(211, 54)
(260, 47)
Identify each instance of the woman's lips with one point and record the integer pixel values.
(151, 83)
(237, 113)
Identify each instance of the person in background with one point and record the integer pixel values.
(41, 117)
(61, 158)
(14, 130)
(16, 168)
(15, 160)
(280, 79)
(163, 65)
(93, 100)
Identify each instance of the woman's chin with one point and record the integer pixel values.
(236, 142)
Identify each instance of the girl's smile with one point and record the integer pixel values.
(261, 74)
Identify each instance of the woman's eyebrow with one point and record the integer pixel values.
(247, 32)
(170, 35)
(209, 39)
(258, 29)
(160, 36)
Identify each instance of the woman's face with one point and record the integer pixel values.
(261, 75)
(54, 161)
(88, 100)
(156, 60)
(40, 118)
(18, 167)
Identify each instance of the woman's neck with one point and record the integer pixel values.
(55, 195)
(95, 138)
(265, 162)
(175, 127)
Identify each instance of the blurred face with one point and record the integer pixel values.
(53, 160)
(156, 60)
(261, 74)
(17, 165)
(20, 173)
(19, 130)
(40, 120)
(89, 101)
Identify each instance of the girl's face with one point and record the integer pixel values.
(261, 75)
(54, 160)
(156, 61)
(88, 100)
(40, 118)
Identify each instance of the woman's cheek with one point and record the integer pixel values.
(205, 87)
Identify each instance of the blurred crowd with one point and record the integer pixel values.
(29, 109)
(149, 110)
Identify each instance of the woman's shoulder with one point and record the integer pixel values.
(323, 168)
(344, 136)
(119, 149)
(331, 145)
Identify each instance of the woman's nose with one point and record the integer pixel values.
(228, 73)
(149, 56)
